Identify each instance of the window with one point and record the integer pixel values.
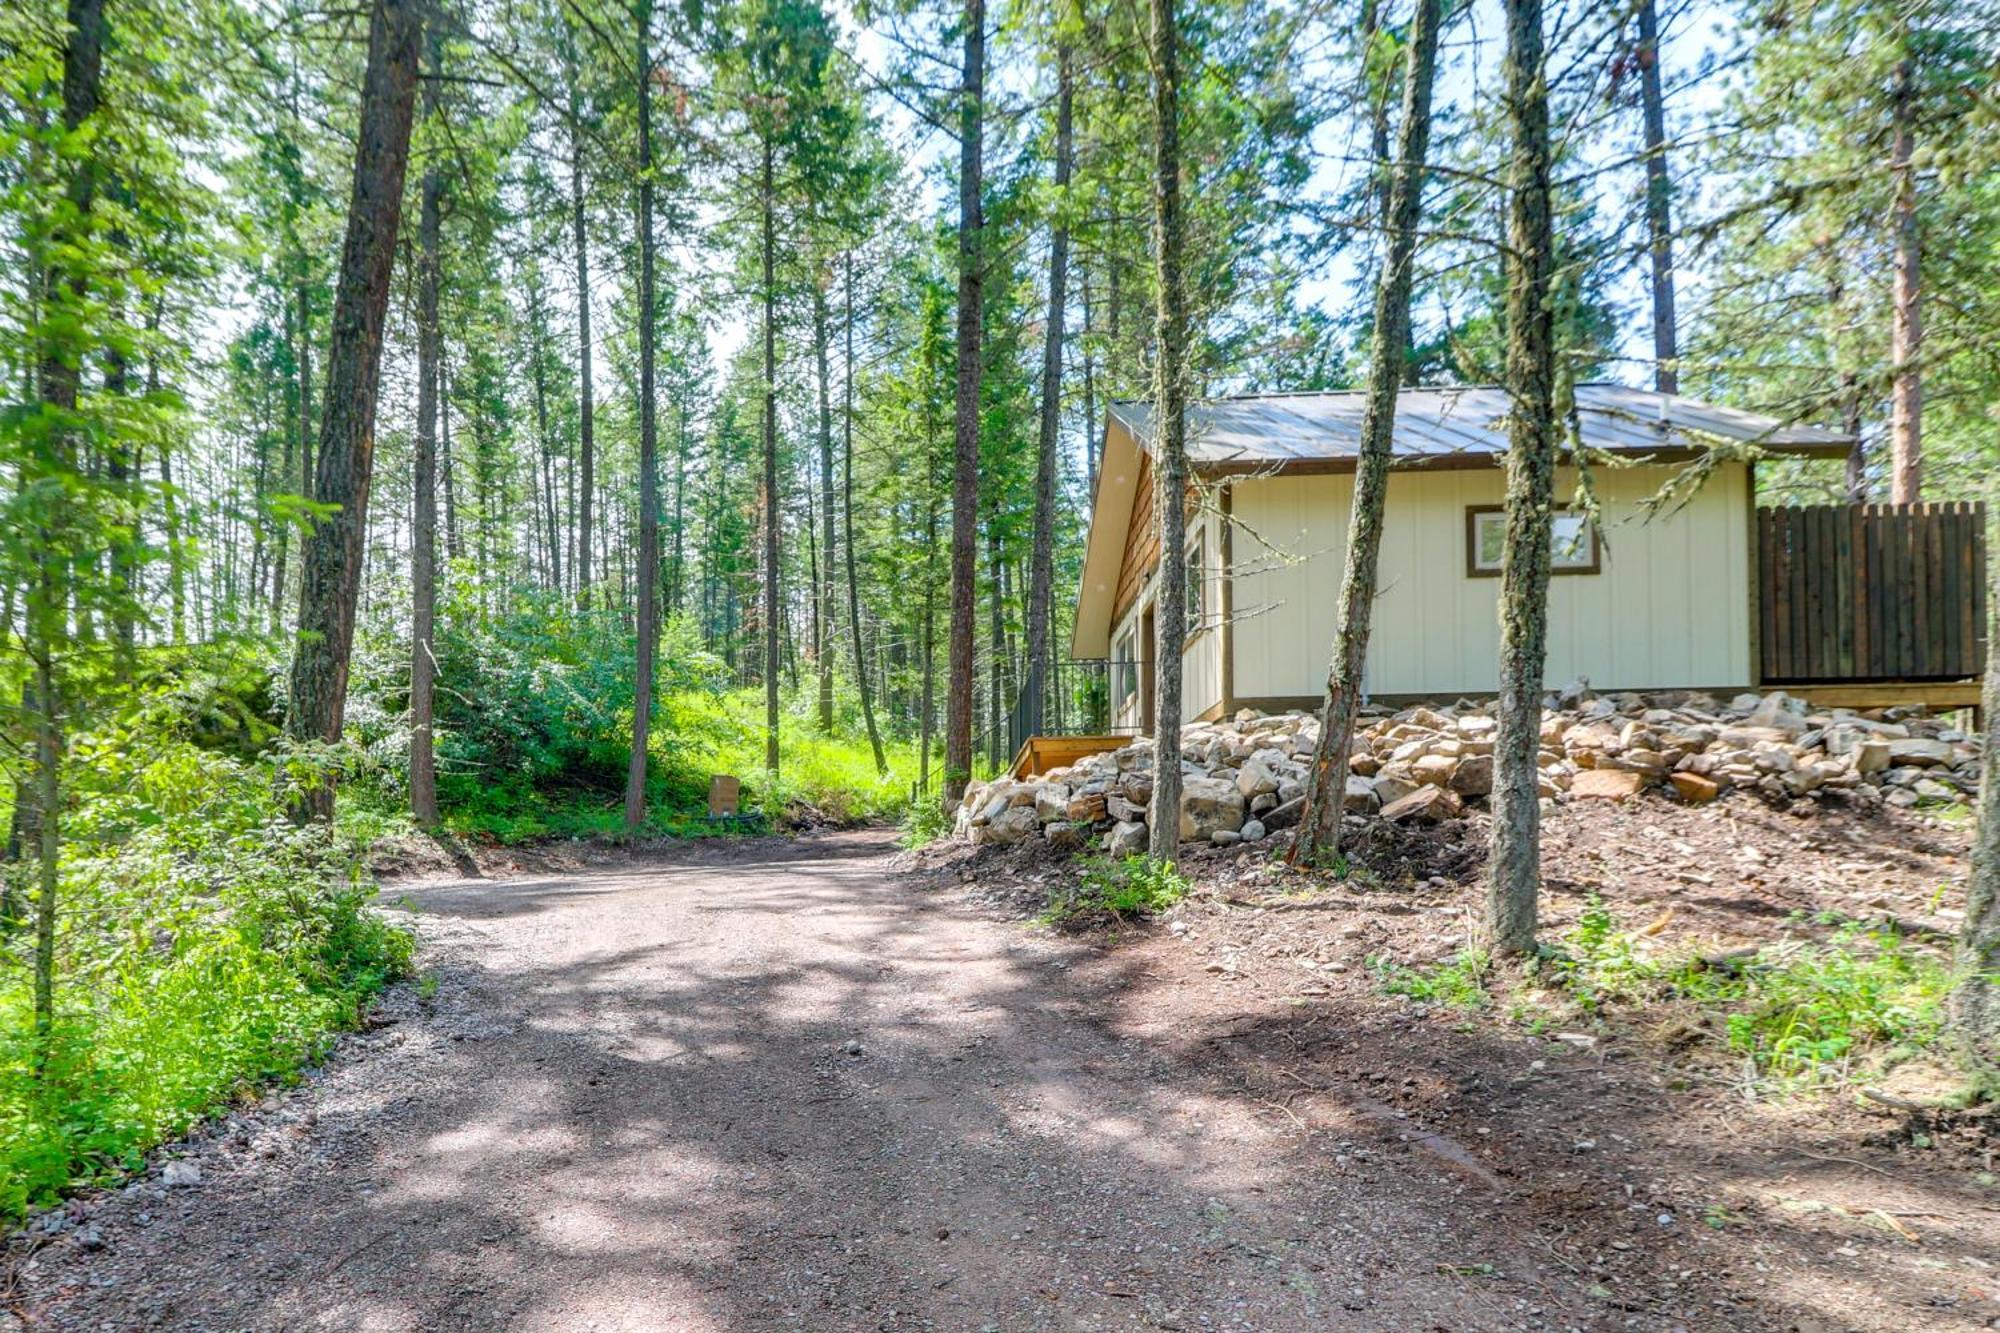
(1572, 542)
(1197, 583)
(1125, 670)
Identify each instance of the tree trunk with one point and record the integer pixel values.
(281, 555)
(847, 544)
(446, 472)
(1169, 434)
(1906, 331)
(823, 589)
(1514, 866)
(1975, 998)
(647, 583)
(772, 607)
(1659, 204)
(308, 478)
(331, 561)
(965, 452)
(1041, 570)
(423, 510)
(546, 519)
(586, 403)
(1326, 788)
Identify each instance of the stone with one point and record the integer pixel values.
(1209, 805)
(1360, 796)
(1434, 770)
(1051, 801)
(1694, 788)
(1255, 778)
(1425, 805)
(1013, 824)
(1473, 776)
(1390, 788)
(1920, 752)
(1287, 815)
(1125, 839)
(1610, 784)
(181, 1173)
(1124, 811)
(1224, 837)
(1066, 837)
(1087, 808)
(1254, 831)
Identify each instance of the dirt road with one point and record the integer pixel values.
(776, 1086)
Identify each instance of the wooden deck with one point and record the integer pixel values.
(1039, 754)
(1934, 695)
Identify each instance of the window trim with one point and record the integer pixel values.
(1473, 569)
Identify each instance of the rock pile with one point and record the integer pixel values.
(1245, 779)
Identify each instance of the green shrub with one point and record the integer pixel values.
(1802, 1012)
(206, 945)
(1134, 885)
(1459, 982)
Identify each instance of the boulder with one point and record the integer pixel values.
(1920, 752)
(1694, 788)
(1209, 805)
(1434, 770)
(1473, 776)
(1255, 778)
(1067, 837)
(1254, 831)
(1011, 826)
(1125, 839)
(1124, 811)
(1360, 796)
(1087, 808)
(1288, 814)
(1051, 801)
(1610, 784)
(1425, 805)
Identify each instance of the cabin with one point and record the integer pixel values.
(1863, 604)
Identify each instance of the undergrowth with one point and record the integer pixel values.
(1800, 1014)
(206, 945)
(1134, 885)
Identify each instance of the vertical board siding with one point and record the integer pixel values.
(1671, 606)
(1871, 592)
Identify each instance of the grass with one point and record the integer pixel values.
(1800, 1014)
(1135, 885)
(697, 734)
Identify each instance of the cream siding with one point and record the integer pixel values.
(1671, 606)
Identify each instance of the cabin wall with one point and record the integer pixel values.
(1670, 606)
(1201, 661)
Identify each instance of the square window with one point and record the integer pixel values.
(1572, 542)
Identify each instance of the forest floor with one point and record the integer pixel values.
(810, 1084)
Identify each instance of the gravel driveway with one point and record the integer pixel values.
(774, 1086)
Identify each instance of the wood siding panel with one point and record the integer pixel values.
(1671, 606)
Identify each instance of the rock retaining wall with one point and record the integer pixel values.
(1244, 779)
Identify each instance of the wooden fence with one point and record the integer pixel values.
(1871, 592)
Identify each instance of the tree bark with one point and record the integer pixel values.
(823, 584)
(965, 452)
(1169, 434)
(647, 588)
(1659, 204)
(1514, 866)
(1041, 570)
(586, 399)
(46, 608)
(1906, 330)
(773, 611)
(423, 510)
(1326, 787)
(847, 544)
(330, 564)
(1975, 997)
(307, 476)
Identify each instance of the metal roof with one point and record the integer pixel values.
(1276, 429)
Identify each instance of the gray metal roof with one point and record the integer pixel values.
(1276, 429)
